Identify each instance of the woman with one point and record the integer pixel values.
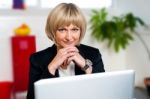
(66, 27)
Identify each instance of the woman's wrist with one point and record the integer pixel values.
(89, 70)
(87, 66)
(51, 69)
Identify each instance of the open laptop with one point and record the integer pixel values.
(108, 85)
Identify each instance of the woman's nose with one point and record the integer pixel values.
(68, 35)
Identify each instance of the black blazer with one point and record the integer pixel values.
(39, 64)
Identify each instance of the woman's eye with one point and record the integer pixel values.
(75, 30)
(62, 30)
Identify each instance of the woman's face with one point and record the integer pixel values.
(67, 36)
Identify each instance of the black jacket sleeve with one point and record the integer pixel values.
(37, 72)
(98, 65)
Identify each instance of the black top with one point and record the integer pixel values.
(39, 64)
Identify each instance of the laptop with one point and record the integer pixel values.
(107, 85)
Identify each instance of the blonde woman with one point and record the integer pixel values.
(66, 27)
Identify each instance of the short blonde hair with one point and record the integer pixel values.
(65, 14)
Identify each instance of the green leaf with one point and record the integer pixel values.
(117, 30)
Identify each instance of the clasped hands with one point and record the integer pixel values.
(63, 58)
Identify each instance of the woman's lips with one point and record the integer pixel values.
(69, 43)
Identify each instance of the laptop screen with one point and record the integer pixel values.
(108, 85)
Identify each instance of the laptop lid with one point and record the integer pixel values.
(108, 85)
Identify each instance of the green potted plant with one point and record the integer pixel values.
(118, 31)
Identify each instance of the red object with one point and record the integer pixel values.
(5, 90)
(22, 48)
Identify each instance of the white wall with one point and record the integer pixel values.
(134, 57)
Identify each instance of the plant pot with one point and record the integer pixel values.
(147, 84)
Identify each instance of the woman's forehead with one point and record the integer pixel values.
(69, 25)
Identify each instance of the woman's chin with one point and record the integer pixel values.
(66, 45)
(69, 45)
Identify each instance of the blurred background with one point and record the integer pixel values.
(22, 32)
